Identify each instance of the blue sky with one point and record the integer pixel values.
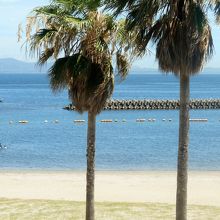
(13, 12)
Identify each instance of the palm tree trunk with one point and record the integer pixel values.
(90, 176)
(182, 172)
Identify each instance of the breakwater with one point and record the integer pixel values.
(156, 104)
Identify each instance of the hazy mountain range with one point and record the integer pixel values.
(10, 65)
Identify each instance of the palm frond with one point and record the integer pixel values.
(40, 41)
(184, 53)
(198, 14)
(90, 84)
(83, 43)
(123, 65)
(45, 55)
(58, 75)
(216, 6)
(118, 6)
(180, 31)
(19, 33)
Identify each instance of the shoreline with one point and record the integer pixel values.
(83, 170)
(45, 170)
(110, 186)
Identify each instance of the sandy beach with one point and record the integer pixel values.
(113, 186)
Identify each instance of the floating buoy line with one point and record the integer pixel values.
(138, 120)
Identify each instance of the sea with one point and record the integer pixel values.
(52, 141)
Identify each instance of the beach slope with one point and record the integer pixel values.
(111, 186)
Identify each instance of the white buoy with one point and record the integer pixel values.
(170, 119)
(106, 120)
(45, 121)
(123, 120)
(198, 119)
(140, 120)
(163, 119)
(79, 121)
(23, 121)
(10, 122)
(56, 121)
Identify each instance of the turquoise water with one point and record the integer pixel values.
(120, 145)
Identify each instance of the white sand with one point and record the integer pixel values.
(149, 186)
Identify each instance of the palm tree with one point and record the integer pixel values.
(181, 33)
(82, 41)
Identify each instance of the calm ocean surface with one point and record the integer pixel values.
(120, 146)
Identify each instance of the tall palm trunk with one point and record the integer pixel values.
(182, 173)
(90, 176)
